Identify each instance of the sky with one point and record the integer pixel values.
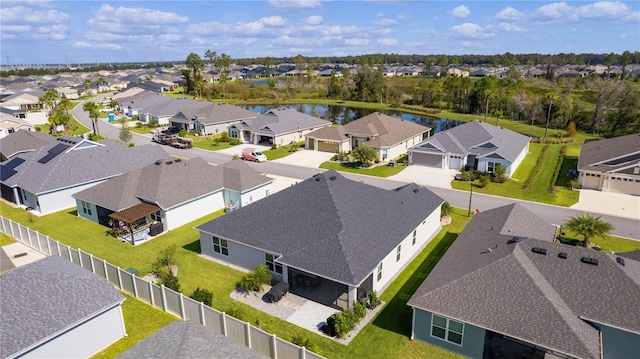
(90, 31)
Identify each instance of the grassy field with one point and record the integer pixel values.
(378, 171)
(538, 191)
(282, 151)
(137, 330)
(77, 128)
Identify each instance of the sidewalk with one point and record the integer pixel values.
(17, 254)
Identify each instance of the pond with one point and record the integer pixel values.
(344, 114)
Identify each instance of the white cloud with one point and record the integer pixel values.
(170, 38)
(385, 22)
(509, 27)
(107, 15)
(314, 20)
(240, 42)
(386, 41)
(244, 29)
(602, 9)
(275, 21)
(510, 13)
(460, 12)
(470, 31)
(294, 5)
(356, 42)
(553, 11)
(86, 45)
(429, 32)
(21, 14)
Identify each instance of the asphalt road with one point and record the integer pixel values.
(624, 227)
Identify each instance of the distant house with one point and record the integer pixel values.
(345, 236)
(611, 165)
(53, 308)
(211, 119)
(43, 180)
(279, 126)
(389, 136)
(186, 339)
(172, 192)
(476, 144)
(505, 287)
(21, 142)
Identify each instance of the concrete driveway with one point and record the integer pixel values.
(426, 176)
(237, 150)
(615, 204)
(306, 158)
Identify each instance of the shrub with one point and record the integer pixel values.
(202, 295)
(306, 343)
(274, 146)
(360, 308)
(224, 137)
(254, 280)
(234, 141)
(138, 125)
(575, 184)
(484, 181)
(536, 168)
(344, 322)
(557, 169)
(374, 301)
(170, 281)
(235, 157)
(38, 129)
(445, 209)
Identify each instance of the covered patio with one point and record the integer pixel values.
(325, 291)
(135, 223)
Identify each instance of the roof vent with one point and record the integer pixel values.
(589, 260)
(415, 190)
(158, 163)
(620, 261)
(177, 160)
(513, 240)
(317, 179)
(169, 162)
(333, 178)
(562, 255)
(539, 250)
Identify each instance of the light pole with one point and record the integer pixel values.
(470, 193)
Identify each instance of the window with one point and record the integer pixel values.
(234, 133)
(379, 271)
(447, 329)
(415, 232)
(491, 166)
(220, 246)
(269, 260)
(86, 207)
(156, 216)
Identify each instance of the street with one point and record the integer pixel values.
(624, 227)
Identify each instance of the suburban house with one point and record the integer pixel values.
(328, 231)
(475, 144)
(172, 192)
(280, 126)
(389, 136)
(22, 141)
(611, 165)
(186, 339)
(10, 124)
(43, 180)
(211, 119)
(53, 308)
(505, 288)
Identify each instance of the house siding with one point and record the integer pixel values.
(58, 200)
(94, 211)
(472, 336)
(516, 163)
(255, 195)
(85, 339)
(390, 266)
(619, 344)
(187, 212)
(239, 254)
(483, 164)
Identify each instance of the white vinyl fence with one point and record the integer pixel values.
(161, 297)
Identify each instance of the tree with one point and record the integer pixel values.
(369, 85)
(49, 102)
(588, 226)
(223, 62)
(94, 114)
(550, 96)
(211, 55)
(86, 85)
(624, 61)
(487, 87)
(254, 280)
(364, 154)
(125, 133)
(195, 65)
(65, 103)
(608, 60)
(202, 295)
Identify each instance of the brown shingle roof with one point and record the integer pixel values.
(386, 130)
(132, 214)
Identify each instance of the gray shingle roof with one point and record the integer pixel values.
(43, 298)
(476, 137)
(185, 339)
(217, 113)
(280, 121)
(171, 182)
(595, 155)
(83, 165)
(329, 133)
(386, 130)
(329, 225)
(538, 298)
(24, 141)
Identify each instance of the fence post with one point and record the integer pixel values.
(247, 334)
(119, 278)
(69, 253)
(164, 299)
(80, 257)
(59, 252)
(11, 229)
(302, 353)
(182, 313)
(153, 302)
(48, 242)
(135, 286)
(274, 349)
(104, 265)
(29, 236)
(224, 324)
(202, 320)
(93, 270)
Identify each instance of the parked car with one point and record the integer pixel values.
(251, 154)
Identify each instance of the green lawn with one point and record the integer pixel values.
(282, 151)
(5, 239)
(564, 196)
(210, 143)
(77, 128)
(607, 243)
(378, 171)
(385, 336)
(137, 330)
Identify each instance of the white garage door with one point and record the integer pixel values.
(426, 159)
(624, 185)
(455, 162)
(590, 181)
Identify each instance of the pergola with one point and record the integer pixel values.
(134, 213)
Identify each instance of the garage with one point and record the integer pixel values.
(455, 162)
(624, 185)
(590, 181)
(327, 146)
(426, 159)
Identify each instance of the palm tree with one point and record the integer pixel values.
(588, 226)
(551, 97)
(94, 114)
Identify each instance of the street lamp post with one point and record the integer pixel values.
(470, 193)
